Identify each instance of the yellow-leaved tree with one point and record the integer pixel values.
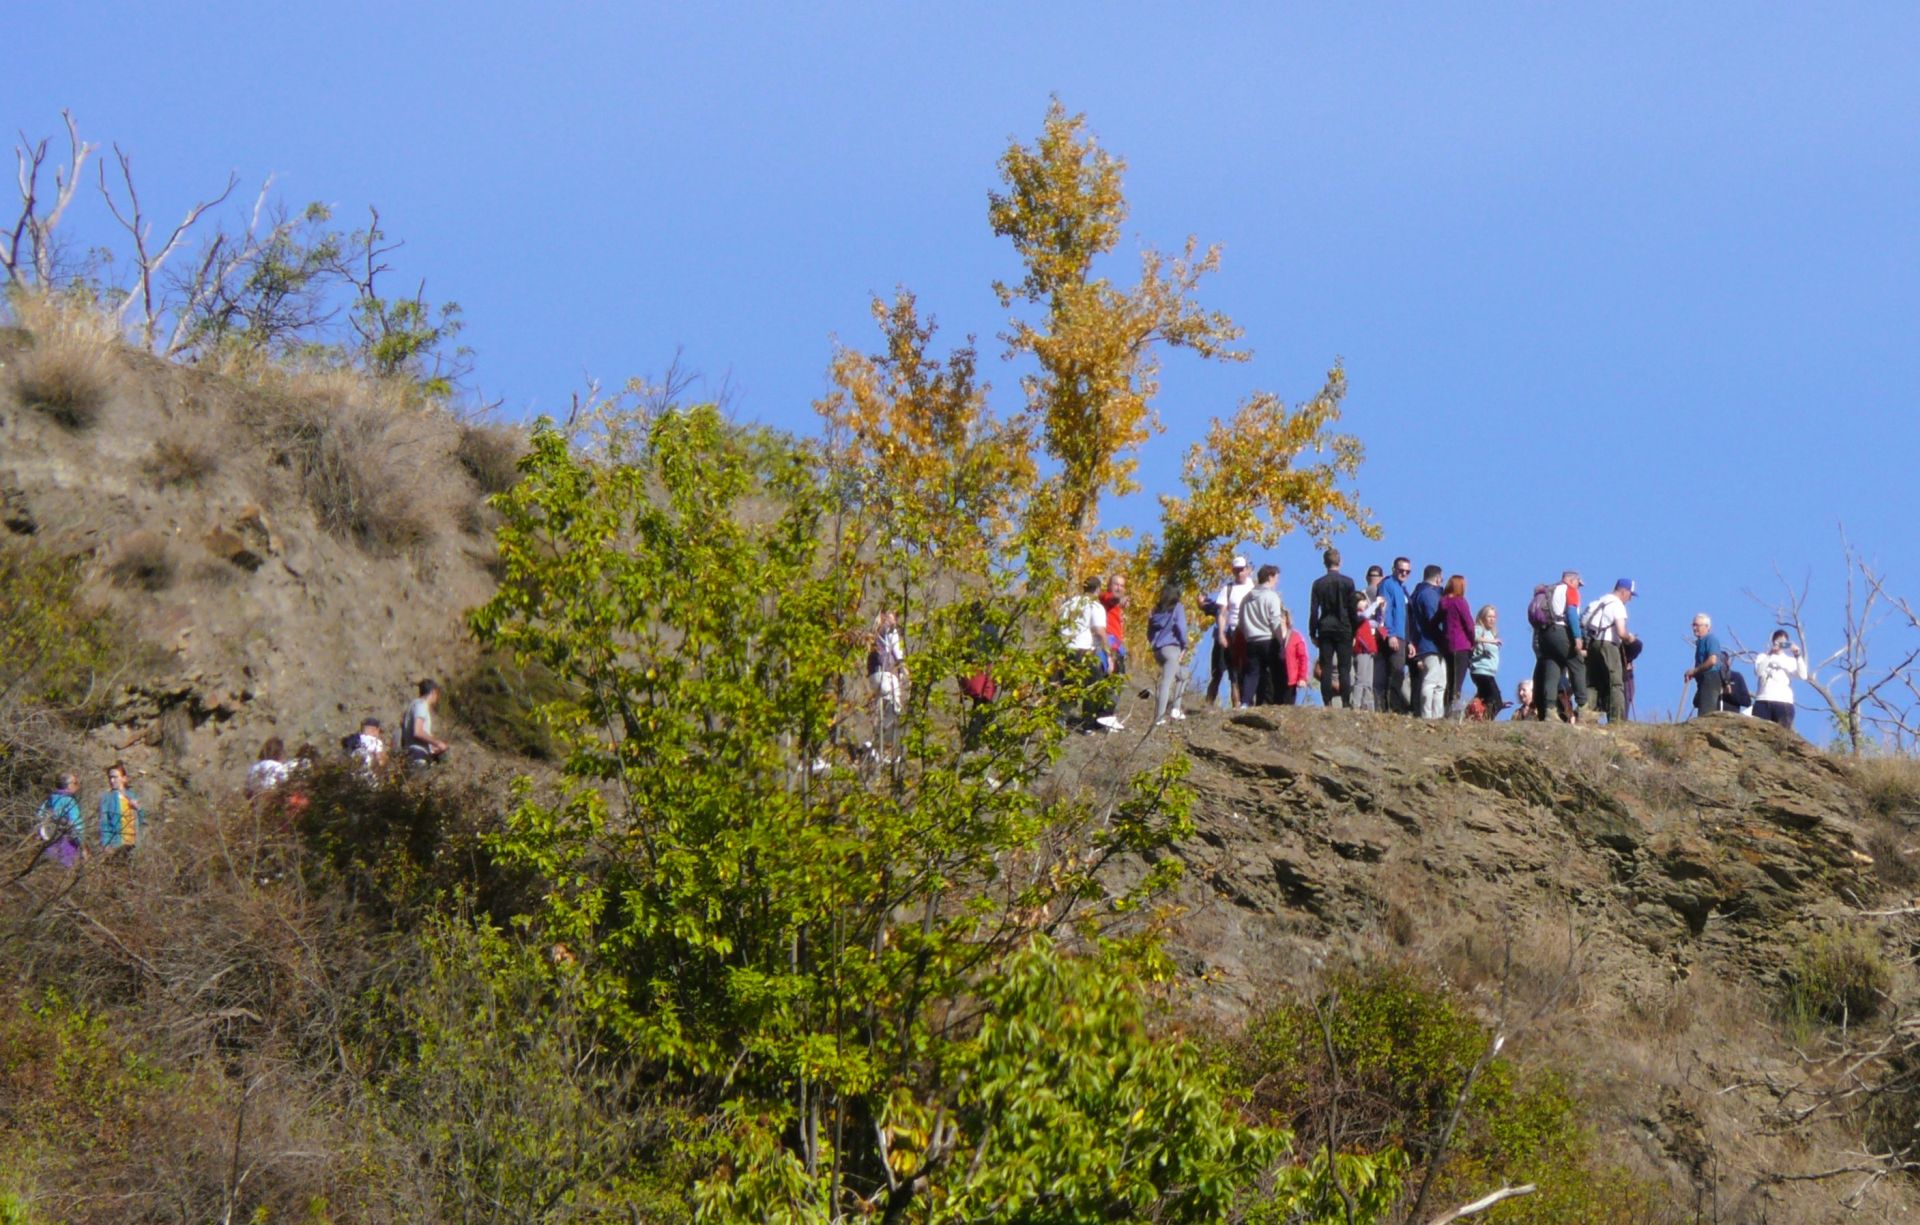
(1095, 344)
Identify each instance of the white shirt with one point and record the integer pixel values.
(1774, 672)
(265, 775)
(1080, 619)
(1606, 619)
(1230, 597)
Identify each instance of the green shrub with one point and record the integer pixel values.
(500, 702)
(56, 647)
(1404, 1050)
(1838, 977)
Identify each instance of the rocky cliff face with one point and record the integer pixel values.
(1627, 903)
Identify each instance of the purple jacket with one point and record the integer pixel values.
(1456, 616)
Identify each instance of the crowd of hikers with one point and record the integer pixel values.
(61, 824)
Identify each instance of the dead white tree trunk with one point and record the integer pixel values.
(148, 260)
(28, 251)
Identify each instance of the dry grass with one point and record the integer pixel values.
(1891, 785)
(182, 462)
(143, 561)
(491, 454)
(68, 372)
(366, 457)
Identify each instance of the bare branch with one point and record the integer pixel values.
(1483, 1203)
(148, 262)
(33, 227)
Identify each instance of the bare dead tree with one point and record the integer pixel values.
(1858, 692)
(28, 251)
(146, 293)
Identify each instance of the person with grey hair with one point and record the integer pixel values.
(1709, 660)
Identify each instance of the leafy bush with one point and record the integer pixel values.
(1838, 977)
(56, 647)
(500, 702)
(1404, 1050)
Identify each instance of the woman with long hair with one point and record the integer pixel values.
(1167, 636)
(1484, 664)
(1456, 633)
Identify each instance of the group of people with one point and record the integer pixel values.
(120, 821)
(1389, 644)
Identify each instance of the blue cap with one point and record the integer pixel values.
(1626, 585)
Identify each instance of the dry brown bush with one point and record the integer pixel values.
(180, 461)
(1890, 785)
(365, 456)
(143, 560)
(491, 454)
(68, 371)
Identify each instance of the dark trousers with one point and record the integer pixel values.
(1488, 689)
(1336, 668)
(1288, 695)
(1554, 658)
(1456, 675)
(1706, 692)
(1775, 712)
(1261, 671)
(1391, 672)
(1217, 670)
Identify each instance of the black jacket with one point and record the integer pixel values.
(1330, 611)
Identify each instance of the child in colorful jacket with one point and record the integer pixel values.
(121, 820)
(62, 827)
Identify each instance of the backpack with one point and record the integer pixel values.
(1736, 695)
(1590, 624)
(1540, 607)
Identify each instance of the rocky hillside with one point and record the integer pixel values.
(1631, 907)
(297, 549)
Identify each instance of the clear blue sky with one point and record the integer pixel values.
(1626, 287)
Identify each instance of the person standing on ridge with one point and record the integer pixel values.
(1295, 667)
(121, 819)
(1708, 660)
(63, 830)
(1607, 636)
(1229, 652)
(1483, 666)
(1427, 654)
(1559, 651)
(1263, 671)
(1167, 638)
(1114, 600)
(1456, 627)
(1773, 676)
(1330, 621)
(1366, 652)
(1394, 596)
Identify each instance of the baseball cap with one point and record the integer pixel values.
(1239, 563)
(1626, 585)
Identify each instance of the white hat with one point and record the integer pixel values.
(1239, 563)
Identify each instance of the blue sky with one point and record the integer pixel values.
(1629, 287)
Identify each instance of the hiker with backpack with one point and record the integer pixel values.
(1558, 650)
(1710, 666)
(1167, 638)
(1427, 645)
(1605, 627)
(63, 830)
(1774, 673)
(1330, 621)
(1393, 694)
(417, 741)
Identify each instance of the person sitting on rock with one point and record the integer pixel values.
(417, 740)
(62, 829)
(269, 770)
(121, 819)
(1523, 701)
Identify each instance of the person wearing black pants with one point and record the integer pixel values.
(1330, 621)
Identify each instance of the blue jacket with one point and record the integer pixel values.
(61, 813)
(1429, 637)
(1393, 617)
(1168, 629)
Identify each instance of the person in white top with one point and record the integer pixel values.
(270, 770)
(1604, 626)
(1229, 648)
(1774, 673)
(1083, 631)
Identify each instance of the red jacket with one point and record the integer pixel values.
(1297, 666)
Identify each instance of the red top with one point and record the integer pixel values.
(1297, 666)
(1115, 619)
(1366, 640)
